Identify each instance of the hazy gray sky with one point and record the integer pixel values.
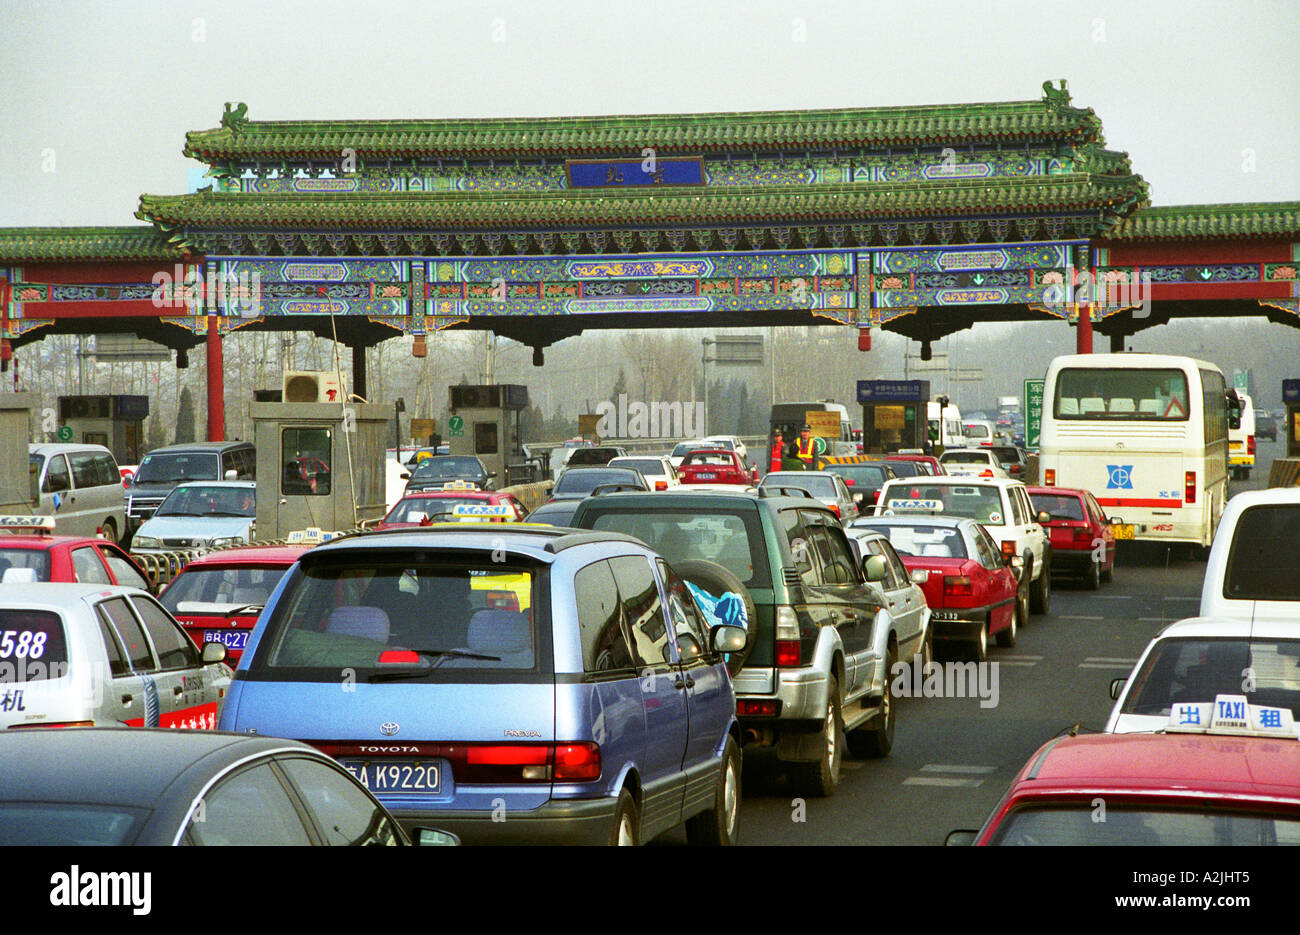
(97, 96)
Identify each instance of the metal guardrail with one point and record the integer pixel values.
(162, 567)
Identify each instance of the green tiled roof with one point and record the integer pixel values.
(559, 137)
(587, 209)
(1200, 222)
(58, 244)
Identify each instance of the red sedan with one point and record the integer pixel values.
(38, 556)
(716, 466)
(217, 597)
(971, 590)
(1082, 541)
(423, 507)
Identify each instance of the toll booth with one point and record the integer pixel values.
(116, 422)
(16, 494)
(315, 461)
(483, 421)
(894, 414)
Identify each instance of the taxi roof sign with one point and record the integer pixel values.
(460, 485)
(310, 535)
(482, 509)
(915, 506)
(1231, 715)
(26, 524)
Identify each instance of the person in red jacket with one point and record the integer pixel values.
(778, 450)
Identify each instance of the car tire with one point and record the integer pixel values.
(878, 739)
(717, 580)
(978, 650)
(110, 531)
(1040, 591)
(627, 822)
(720, 825)
(821, 778)
(1092, 577)
(1007, 637)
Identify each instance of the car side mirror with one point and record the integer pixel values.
(875, 567)
(960, 838)
(725, 639)
(1116, 686)
(430, 837)
(1044, 517)
(214, 653)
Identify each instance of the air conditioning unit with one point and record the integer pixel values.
(474, 397)
(312, 386)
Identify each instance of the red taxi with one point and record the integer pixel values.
(972, 591)
(217, 597)
(715, 466)
(1082, 541)
(1222, 772)
(450, 504)
(29, 553)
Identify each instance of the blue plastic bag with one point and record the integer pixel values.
(727, 610)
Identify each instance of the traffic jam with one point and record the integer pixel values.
(603, 651)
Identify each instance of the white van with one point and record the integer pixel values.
(1253, 572)
(80, 486)
(1241, 440)
(950, 434)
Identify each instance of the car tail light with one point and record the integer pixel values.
(835, 508)
(661, 485)
(502, 600)
(957, 586)
(875, 496)
(1049, 477)
(766, 707)
(1013, 469)
(1250, 444)
(56, 724)
(1008, 548)
(1189, 487)
(1083, 535)
(789, 648)
(987, 472)
(849, 482)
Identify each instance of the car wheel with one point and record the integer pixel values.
(720, 825)
(927, 648)
(822, 777)
(878, 740)
(1041, 590)
(627, 824)
(1092, 580)
(110, 530)
(718, 580)
(979, 650)
(1007, 637)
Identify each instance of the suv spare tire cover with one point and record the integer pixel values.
(718, 580)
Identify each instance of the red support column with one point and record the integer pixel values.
(216, 384)
(1083, 339)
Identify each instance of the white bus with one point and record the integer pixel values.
(949, 434)
(1241, 440)
(1147, 434)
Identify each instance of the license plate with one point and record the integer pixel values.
(1122, 531)
(231, 639)
(706, 476)
(406, 776)
(944, 615)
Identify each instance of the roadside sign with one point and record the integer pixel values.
(824, 424)
(456, 425)
(1033, 412)
(65, 433)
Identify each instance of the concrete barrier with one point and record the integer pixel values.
(1285, 473)
(530, 495)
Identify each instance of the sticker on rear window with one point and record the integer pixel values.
(995, 517)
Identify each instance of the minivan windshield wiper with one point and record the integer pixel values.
(409, 672)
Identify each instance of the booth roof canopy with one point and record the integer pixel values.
(1014, 122)
(1211, 222)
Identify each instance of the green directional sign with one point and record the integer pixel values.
(456, 425)
(65, 433)
(1033, 412)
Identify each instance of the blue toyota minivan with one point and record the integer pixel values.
(536, 685)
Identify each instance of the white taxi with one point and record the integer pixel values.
(79, 655)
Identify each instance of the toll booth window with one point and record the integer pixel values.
(305, 461)
(485, 438)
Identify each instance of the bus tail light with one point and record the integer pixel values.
(1049, 477)
(1189, 487)
(1250, 445)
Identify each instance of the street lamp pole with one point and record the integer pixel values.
(704, 368)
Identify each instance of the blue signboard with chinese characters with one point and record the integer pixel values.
(1291, 391)
(893, 391)
(601, 173)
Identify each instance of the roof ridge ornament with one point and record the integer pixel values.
(236, 116)
(1059, 97)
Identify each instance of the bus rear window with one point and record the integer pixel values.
(1121, 394)
(1263, 562)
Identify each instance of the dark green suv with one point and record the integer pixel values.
(821, 644)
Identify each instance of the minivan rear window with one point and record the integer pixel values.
(408, 617)
(1263, 561)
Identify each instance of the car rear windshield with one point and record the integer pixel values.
(732, 539)
(862, 475)
(593, 456)
(1135, 826)
(1060, 506)
(443, 616)
(979, 503)
(62, 824)
(176, 468)
(908, 468)
(922, 541)
(585, 481)
(1263, 560)
(965, 457)
(200, 589)
(644, 465)
(33, 648)
(434, 509)
(698, 457)
(817, 486)
(28, 565)
(1179, 671)
(441, 467)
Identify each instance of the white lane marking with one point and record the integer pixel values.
(940, 781)
(1108, 659)
(1153, 619)
(956, 768)
(1072, 617)
(1014, 662)
(1106, 665)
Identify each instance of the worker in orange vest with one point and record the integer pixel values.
(778, 450)
(808, 448)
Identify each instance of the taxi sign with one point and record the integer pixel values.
(460, 485)
(27, 523)
(309, 536)
(915, 506)
(482, 509)
(1231, 714)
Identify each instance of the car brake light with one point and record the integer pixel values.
(1189, 487)
(661, 485)
(957, 586)
(789, 648)
(1049, 477)
(835, 508)
(766, 707)
(1083, 535)
(531, 762)
(1008, 548)
(987, 472)
(399, 657)
(1250, 444)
